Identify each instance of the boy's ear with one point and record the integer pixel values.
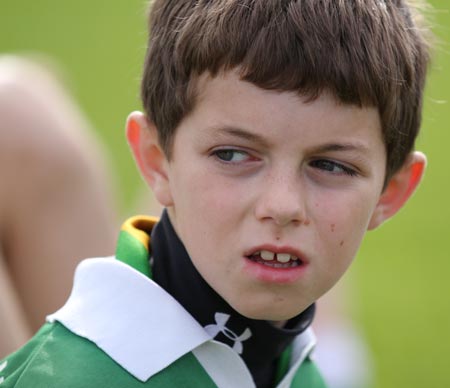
(151, 160)
(399, 189)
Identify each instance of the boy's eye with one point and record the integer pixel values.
(231, 155)
(333, 167)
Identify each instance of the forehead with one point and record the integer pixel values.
(227, 101)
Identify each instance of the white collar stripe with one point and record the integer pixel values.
(129, 317)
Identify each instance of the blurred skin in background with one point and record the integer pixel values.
(55, 199)
(57, 207)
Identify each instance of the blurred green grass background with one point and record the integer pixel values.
(402, 271)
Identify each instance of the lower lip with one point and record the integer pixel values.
(269, 274)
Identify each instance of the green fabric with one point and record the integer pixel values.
(308, 376)
(131, 251)
(283, 364)
(57, 358)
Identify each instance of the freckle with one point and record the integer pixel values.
(277, 238)
(342, 243)
(332, 227)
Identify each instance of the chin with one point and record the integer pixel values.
(268, 312)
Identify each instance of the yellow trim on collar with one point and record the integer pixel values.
(140, 228)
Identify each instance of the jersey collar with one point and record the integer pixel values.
(109, 305)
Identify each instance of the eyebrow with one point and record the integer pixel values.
(330, 147)
(240, 133)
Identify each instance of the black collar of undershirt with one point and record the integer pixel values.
(173, 270)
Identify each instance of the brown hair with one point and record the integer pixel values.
(365, 52)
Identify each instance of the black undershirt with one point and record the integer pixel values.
(258, 342)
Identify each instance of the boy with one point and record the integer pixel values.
(275, 134)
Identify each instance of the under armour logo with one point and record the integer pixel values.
(219, 327)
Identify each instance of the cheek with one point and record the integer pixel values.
(213, 195)
(206, 205)
(342, 223)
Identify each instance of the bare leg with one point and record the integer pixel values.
(55, 200)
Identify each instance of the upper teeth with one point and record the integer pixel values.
(280, 257)
(283, 257)
(266, 255)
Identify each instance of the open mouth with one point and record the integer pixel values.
(275, 260)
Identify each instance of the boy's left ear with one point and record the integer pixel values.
(399, 189)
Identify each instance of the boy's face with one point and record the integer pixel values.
(258, 174)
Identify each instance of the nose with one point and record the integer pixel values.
(281, 200)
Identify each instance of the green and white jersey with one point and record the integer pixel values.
(120, 329)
